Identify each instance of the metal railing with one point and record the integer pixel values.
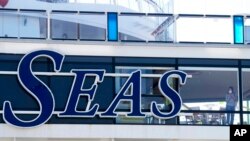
(132, 27)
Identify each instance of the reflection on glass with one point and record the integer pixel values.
(146, 28)
(149, 90)
(64, 26)
(204, 29)
(209, 89)
(149, 119)
(194, 32)
(24, 24)
(149, 84)
(92, 29)
(33, 24)
(207, 119)
(163, 103)
(246, 89)
(247, 30)
(145, 6)
(246, 119)
(8, 24)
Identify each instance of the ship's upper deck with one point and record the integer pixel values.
(137, 21)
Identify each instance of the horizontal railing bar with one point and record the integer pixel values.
(50, 13)
(97, 113)
(132, 14)
(217, 16)
(32, 10)
(191, 15)
(72, 74)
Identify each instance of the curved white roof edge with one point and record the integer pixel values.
(34, 4)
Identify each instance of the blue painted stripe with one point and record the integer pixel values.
(112, 27)
(238, 22)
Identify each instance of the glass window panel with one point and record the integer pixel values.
(245, 6)
(123, 3)
(188, 6)
(149, 81)
(134, 5)
(10, 139)
(208, 89)
(85, 1)
(9, 24)
(223, 6)
(91, 28)
(247, 30)
(150, 93)
(230, 7)
(149, 119)
(189, 29)
(218, 30)
(163, 103)
(103, 1)
(207, 118)
(33, 24)
(64, 26)
(246, 119)
(145, 28)
(145, 6)
(204, 29)
(246, 89)
(149, 86)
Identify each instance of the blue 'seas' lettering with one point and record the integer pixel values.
(44, 96)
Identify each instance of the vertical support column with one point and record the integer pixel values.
(175, 29)
(238, 25)
(177, 86)
(112, 26)
(18, 23)
(240, 93)
(48, 25)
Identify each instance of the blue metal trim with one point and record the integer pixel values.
(112, 26)
(238, 28)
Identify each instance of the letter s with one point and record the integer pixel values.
(170, 94)
(36, 88)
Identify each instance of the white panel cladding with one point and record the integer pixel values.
(67, 131)
(60, 139)
(128, 50)
(50, 139)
